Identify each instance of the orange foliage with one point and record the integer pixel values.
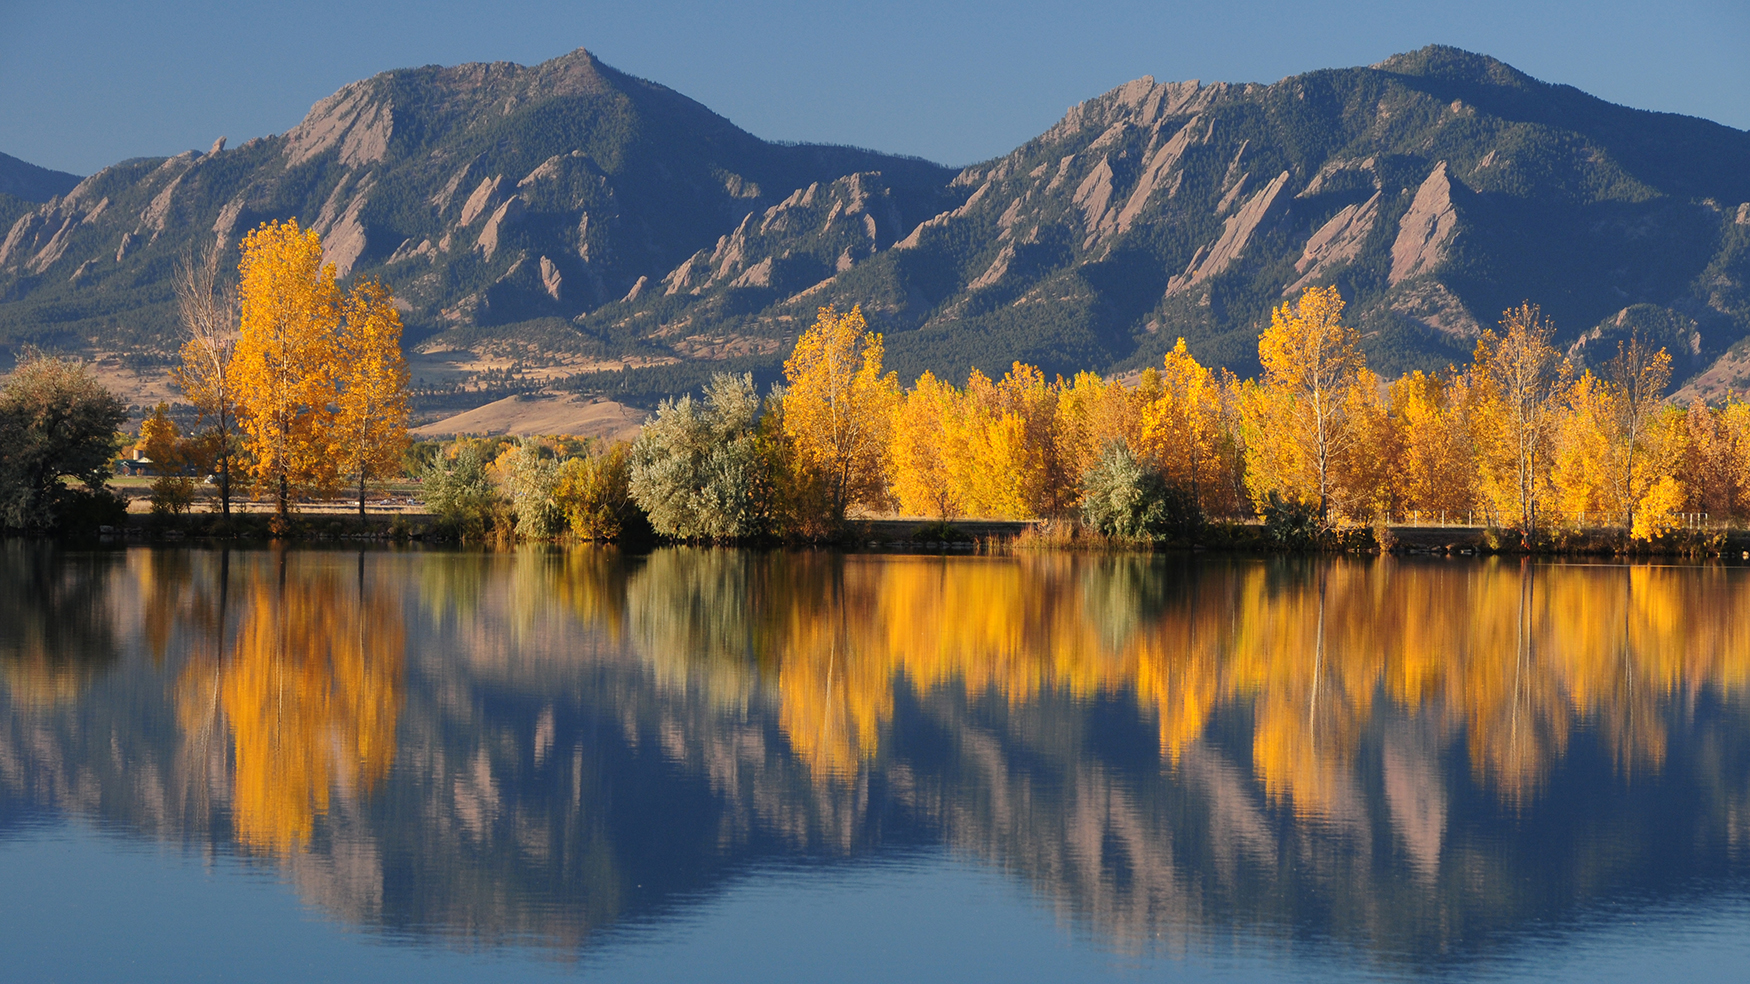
(1511, 657)
(310, 692)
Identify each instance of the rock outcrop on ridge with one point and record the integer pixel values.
(567, 206)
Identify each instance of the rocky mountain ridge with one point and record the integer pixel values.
(565, 218)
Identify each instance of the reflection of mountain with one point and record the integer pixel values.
(1406, 757)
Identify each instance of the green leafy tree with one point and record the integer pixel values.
(459, 491)
(531, 479)
(1122, 499)
(698, 469)
(56, 423)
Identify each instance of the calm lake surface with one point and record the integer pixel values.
(720, 765)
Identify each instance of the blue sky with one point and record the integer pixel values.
(91, 82)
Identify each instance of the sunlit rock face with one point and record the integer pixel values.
(578, 216)
(545, 744)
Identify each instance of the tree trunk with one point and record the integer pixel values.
(285, 493)
(224, 472)
(361, 492)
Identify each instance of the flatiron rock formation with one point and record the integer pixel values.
(567, 211)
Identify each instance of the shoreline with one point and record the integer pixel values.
(972, 536)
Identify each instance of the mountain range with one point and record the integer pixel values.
(569, 225)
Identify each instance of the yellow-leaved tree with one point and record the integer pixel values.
(1182, 426)
(1092, 412)
(1436, 472)
(1298, 417)
(1520, 377)
(926, 442)
(162, 443)
(1011, 468)
(1582, 467)
(1715, 456)
(159, 437)
(370, 427)
(284, 365)
(838, 409)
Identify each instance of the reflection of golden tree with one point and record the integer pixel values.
(1514, 657)
(311, 693)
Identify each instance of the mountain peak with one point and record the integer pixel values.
(572, 215)
(1444, 62)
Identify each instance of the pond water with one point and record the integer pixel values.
(722, 765)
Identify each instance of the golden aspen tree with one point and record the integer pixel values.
(1708, 470)
(1583, 464)
(161, 441)
(1300, 408)
(370, 427)
(284, 364)
(1434, 471)
(208, 313)
(1182, 425)
(1226, 493)
(1367, 473)
(159, 436)
(989, 473)
(1029, 405)
(838, 408)
(1005, 473)
(1735, 420)
(1084, 420)
(924, 445)
(1276, 464)
(1657, 512)
(1011, 467)
(1520, 375)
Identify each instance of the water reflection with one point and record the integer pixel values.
(1420, 759)
(307, 694)
(57, 629)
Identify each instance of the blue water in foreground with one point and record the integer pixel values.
(723, 766)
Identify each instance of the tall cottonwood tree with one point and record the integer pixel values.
(1436, 469)
(208, 311)
(1300, 410)
(838, 408)
(284, 364)
(1521, 376)
(925, 443)
(370, 422)
(1182, 427)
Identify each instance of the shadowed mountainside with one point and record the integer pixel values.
(572, 218)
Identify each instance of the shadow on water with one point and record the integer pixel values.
(1425, 761)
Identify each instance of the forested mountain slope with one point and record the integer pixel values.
(1436, 189)
(569, 213)
(486, 194)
